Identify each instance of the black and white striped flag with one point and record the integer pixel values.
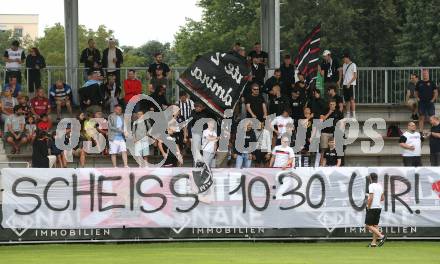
(307, 60)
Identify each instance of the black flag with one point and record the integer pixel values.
(202, 176)
(308, 54)
(217, 79)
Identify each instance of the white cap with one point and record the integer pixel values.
(326, 52)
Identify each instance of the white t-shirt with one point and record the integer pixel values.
(282, 156)
(348, 71)
(281, 122)
(13, 54)
(377, 190)
(110, 57)
(208, 146)
(412, 139)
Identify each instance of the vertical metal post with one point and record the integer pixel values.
(71, 41)
(372, 87)
(386, 86)
(270, 30)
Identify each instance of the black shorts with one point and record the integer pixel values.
(348, 92)
(372, 217)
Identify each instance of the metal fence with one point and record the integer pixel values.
(375, 85)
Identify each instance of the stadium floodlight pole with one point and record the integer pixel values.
(270, 30)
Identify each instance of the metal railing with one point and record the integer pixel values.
(375, 85)
(387, 85)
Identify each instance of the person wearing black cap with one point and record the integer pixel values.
(331, 70)
(349, 71)
(14, 57)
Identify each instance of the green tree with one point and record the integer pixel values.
(223, 23)
(419, 43)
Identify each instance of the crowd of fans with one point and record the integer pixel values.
(295, 101)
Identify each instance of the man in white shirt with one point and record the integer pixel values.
(411, 144)
(374, 207)
(283, 156)
(14, 57)
(349, 71)
(281, 124)
(209, 144)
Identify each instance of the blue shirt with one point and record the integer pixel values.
(16, 91)
(119, 123)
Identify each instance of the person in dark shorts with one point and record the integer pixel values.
(426, 93)
(374, 207)
(349, 71)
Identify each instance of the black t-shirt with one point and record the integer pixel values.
(258, 73)
(318, 107)
(331, 157)
(426, 90)
(153, 66)
(278, 104)
(434, 142)
(256, 104)
(331, 73)
(338, 100)
(86, 53)
(336, 115)
(297, 107)
(248, 138)
(271, 82)
(287, 75)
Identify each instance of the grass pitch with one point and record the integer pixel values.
(223, 252)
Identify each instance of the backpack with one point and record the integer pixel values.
(394, 131)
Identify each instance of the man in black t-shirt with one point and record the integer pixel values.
(297, 106)
(158, 57)
(91, 57)
(272, 81)
(255, 104)
(258, 71)
(258, 53)
(317, 104)
(332, 95)
(434, 141)
(330, 157)
(426, 93)
(287, 73)
(328, 132)
(331, 70)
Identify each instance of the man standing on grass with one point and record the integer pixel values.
(374, 207)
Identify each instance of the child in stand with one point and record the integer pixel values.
(31, 129)
(44, 124)
(54, 150)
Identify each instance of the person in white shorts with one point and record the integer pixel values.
(142, 144)
(116, 136)
(283, 156)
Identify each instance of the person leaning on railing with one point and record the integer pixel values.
(34, 63)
